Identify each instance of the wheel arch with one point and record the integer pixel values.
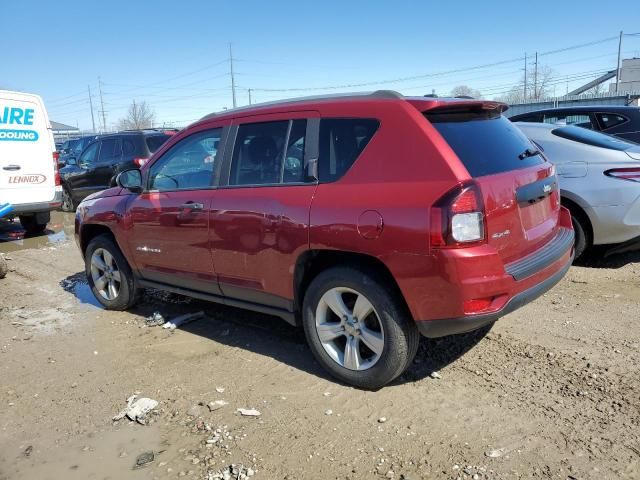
(576, 207)
(312, 262)
(91, 231)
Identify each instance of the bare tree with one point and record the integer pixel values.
(139, 116)
(465, 91)
(537, 86)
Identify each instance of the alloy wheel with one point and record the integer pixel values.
(105, 274)
(349, 328)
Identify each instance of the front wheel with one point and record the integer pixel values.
(109, 275)
(356, 329)
(31, 224)
(68, 204)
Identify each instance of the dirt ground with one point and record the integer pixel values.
(551, 391)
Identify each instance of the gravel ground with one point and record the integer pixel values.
(551, 391)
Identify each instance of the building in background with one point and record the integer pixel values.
(629, 76)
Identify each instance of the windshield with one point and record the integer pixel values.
(589, 137)
(486, 142)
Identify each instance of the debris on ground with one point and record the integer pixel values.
(137, 409)
(249, 412)
(154, 320)
(220, 389)
(182, 319)
(144, 459)
(496, 452)
(216, 404)
(232, 472)
(435, 374)
(382, 419)
(28, 450)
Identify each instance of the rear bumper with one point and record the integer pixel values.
(37, 207)
(452, 326)
(483, 276)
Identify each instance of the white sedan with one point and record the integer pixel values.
(599, 182)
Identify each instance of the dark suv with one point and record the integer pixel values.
(367, 219)
(620, 121)
(103, 158)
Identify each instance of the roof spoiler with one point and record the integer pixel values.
(464, 105)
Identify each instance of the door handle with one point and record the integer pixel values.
(11, 168)
(192, 206)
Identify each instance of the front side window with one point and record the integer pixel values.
(88, 157)
(610, 120)
(188, 165)
(341, 141)
(595, 139)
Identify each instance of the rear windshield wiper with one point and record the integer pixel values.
(529, 152)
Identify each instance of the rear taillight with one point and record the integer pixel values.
(140, 161)
(457, 219)
(56, 172)
(632, 173)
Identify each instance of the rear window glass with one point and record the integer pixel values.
(342, 140)
(155, 142)
(589, 137)
(485, 142)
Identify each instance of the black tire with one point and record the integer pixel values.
(31, 226)
(582, 240)
(401, 336)
(68, 205)
(128, 294)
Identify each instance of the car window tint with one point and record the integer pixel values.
(609, 120)
(485, 142)
(341, 142)
(154, 142)
(581, 120)
(188, 165)
(110, 150)
(258, 153)
(293, 168)
(89, 155)
(128, 147)
(596, 139)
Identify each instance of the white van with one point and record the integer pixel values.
(29, 178)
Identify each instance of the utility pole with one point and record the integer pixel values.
(535, 79)
(619, 60)
(93, 121)
(524, 98)
(104, 117)
(233, 80)
(249, 96)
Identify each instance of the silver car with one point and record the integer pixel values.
(599, 182)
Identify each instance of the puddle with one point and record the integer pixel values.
(78, 286)
(14, 238)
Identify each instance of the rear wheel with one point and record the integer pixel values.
(67, 201)
(356, 329)
(31, 224)
(109, 275)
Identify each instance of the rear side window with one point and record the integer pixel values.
(580, 119)
(154, 142)
(595, 139)
(110, 150)
(341, 141)
(610, 120)
(485, 142)
(128, 147)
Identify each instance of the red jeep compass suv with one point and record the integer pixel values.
(369, 219)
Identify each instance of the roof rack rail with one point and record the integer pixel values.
(391, 94)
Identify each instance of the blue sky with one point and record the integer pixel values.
(174, 55)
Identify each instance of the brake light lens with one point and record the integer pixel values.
(140, 161)
(632, 173)
(56, 172)
(458, 218)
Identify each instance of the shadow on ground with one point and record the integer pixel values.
(601, 257)
(272, 337)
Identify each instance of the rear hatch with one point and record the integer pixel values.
(518, 186)
(26, 151)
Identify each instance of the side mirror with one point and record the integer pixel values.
(130, 179)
